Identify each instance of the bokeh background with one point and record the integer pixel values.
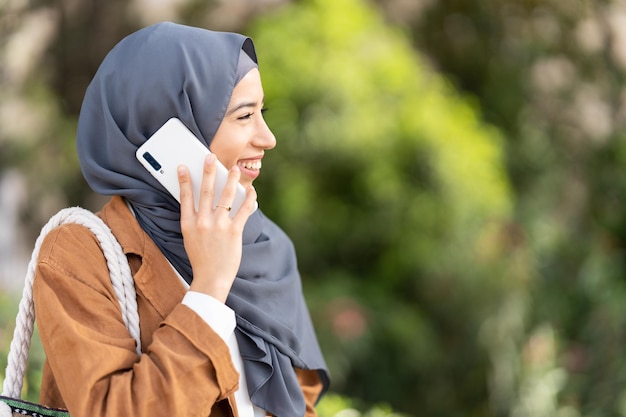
(451, 173)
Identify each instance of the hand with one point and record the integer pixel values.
(212, 239)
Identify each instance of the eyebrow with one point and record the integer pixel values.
(240, 106)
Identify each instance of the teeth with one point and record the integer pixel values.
(250, 164)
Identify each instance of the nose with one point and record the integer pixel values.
(264, 138)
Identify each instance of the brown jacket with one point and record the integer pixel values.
(92, 368)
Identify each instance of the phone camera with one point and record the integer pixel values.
(153, 162)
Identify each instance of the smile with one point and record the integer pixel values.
(253, 165)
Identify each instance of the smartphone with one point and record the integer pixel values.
(173, 145)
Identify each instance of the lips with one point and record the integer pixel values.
(250, 165)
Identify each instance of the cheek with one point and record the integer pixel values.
(230, 143)
(222, 155)
(228, 151)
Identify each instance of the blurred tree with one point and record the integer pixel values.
(47, 57)
(434, 285)
(394, 193)
(386, 178)
(550, 75)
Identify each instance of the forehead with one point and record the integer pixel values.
(249, 87)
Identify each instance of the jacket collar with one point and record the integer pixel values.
(155, 279)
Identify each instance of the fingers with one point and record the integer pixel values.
(248, 205)
(207, 188)
(186, 192)
(206, 206)
(230, 189)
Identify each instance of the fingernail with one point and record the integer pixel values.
(235, 168)
(210, 158)
(181, 170)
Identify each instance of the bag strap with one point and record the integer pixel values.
(121, 279)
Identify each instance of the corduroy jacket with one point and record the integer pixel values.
(91, 366)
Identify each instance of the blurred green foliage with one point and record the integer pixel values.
(32, 380)
(450, 173)
(395, 194)
(550, 75)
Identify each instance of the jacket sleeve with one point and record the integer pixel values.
(185, 369)
(311, 385)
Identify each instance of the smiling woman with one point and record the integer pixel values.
(224, 326)
(243, 136)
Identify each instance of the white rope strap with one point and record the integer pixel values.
(121, 279)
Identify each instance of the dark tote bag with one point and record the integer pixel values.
(11, 403)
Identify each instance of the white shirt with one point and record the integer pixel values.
(221, 318)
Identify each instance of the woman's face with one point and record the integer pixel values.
(243, 136)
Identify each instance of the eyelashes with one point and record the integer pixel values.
(249, 115)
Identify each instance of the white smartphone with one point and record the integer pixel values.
(173, 145)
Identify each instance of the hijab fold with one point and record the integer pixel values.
(170, 70)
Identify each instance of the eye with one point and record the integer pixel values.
(250, 114)
(245, 116)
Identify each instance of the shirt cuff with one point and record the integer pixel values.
(219, 316)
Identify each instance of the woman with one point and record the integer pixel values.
(224, 327)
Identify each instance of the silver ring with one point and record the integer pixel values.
(223, 206)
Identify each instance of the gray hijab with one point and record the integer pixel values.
(169, 70)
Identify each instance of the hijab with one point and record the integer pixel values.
(170, 70)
